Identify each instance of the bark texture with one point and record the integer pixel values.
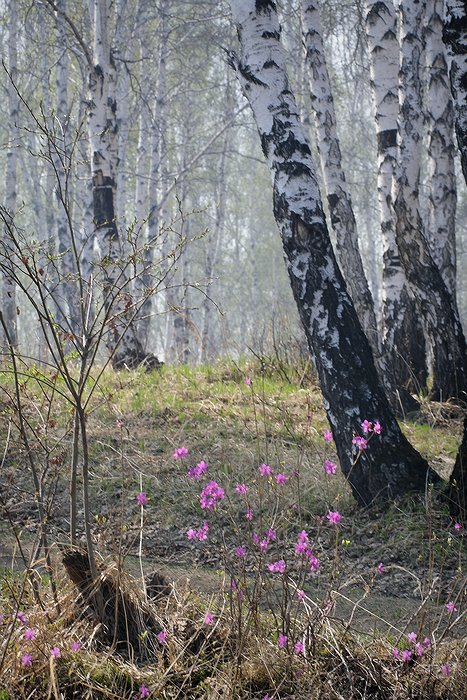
(455, 38)
(403, 337)
(442, 175)
(338, 195)
(458, 480)
(441, 321)
(342, 355)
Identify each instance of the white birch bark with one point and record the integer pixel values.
(157, 177)
(209, 350)
(122, 339)
(403, 337)
(8, 254)
(442, 175)
(433, 299)
(341, 351)
(337, 191)
(455, 38)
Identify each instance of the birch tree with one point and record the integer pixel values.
(403, 337)
(342, 355)
(123, 342)
(455, 38)
(441, 321)
(442, 176)
(8, 253)
(338, 195)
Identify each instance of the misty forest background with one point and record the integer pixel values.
(191, 180)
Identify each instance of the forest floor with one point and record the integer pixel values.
(137, 421)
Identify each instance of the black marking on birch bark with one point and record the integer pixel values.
(270, 64)
(245, 71)
(387, 139)
(270, 35)
(263, 6)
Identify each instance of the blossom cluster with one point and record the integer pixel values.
(201, 534)
(210, 494)
(303, 547)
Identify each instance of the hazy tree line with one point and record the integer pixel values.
(190, 176)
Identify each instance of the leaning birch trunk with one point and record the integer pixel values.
(338, 195)
(342, 355)
(455, 38)
(442, 324)
(7, 252)
(403, 338)
(122, 341)
(442, 175)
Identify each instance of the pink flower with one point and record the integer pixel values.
(249, 514)
(300, 595)
(457, 526)
(313, 561)
(201, 534)
(360, 442)
(426, 642)
(22, 617)
(281, 479)
(55, 652)
(380, 567)
(241, 488)
(451, 607)
(377, 428)
(75, 646)
(143, 691)
(412, 637)
(328, 436)
(366, 426)
(419, 649)
(26, 660)
(208, 618)
(265, 470)
(406, 655)
(299, 648)
(240, 552)
(334, 517)
(330, 467)
(209, 496)
(396, 653)
(198, 471)
(180, 453)
(162, 637)
(446, 670)
(277, 567)
(142, 499)
(282, 641)
(302, 543)
(248, 380)
(30, 634)
(263, 545)
(271, 535)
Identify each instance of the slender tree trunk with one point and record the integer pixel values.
(122, 340)
(442, 176)
(8, 254)
(341, 351)
(433, 299)
(157, 179)
(209, 349)
(455, 38)
(338, 195)
(403, 337)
